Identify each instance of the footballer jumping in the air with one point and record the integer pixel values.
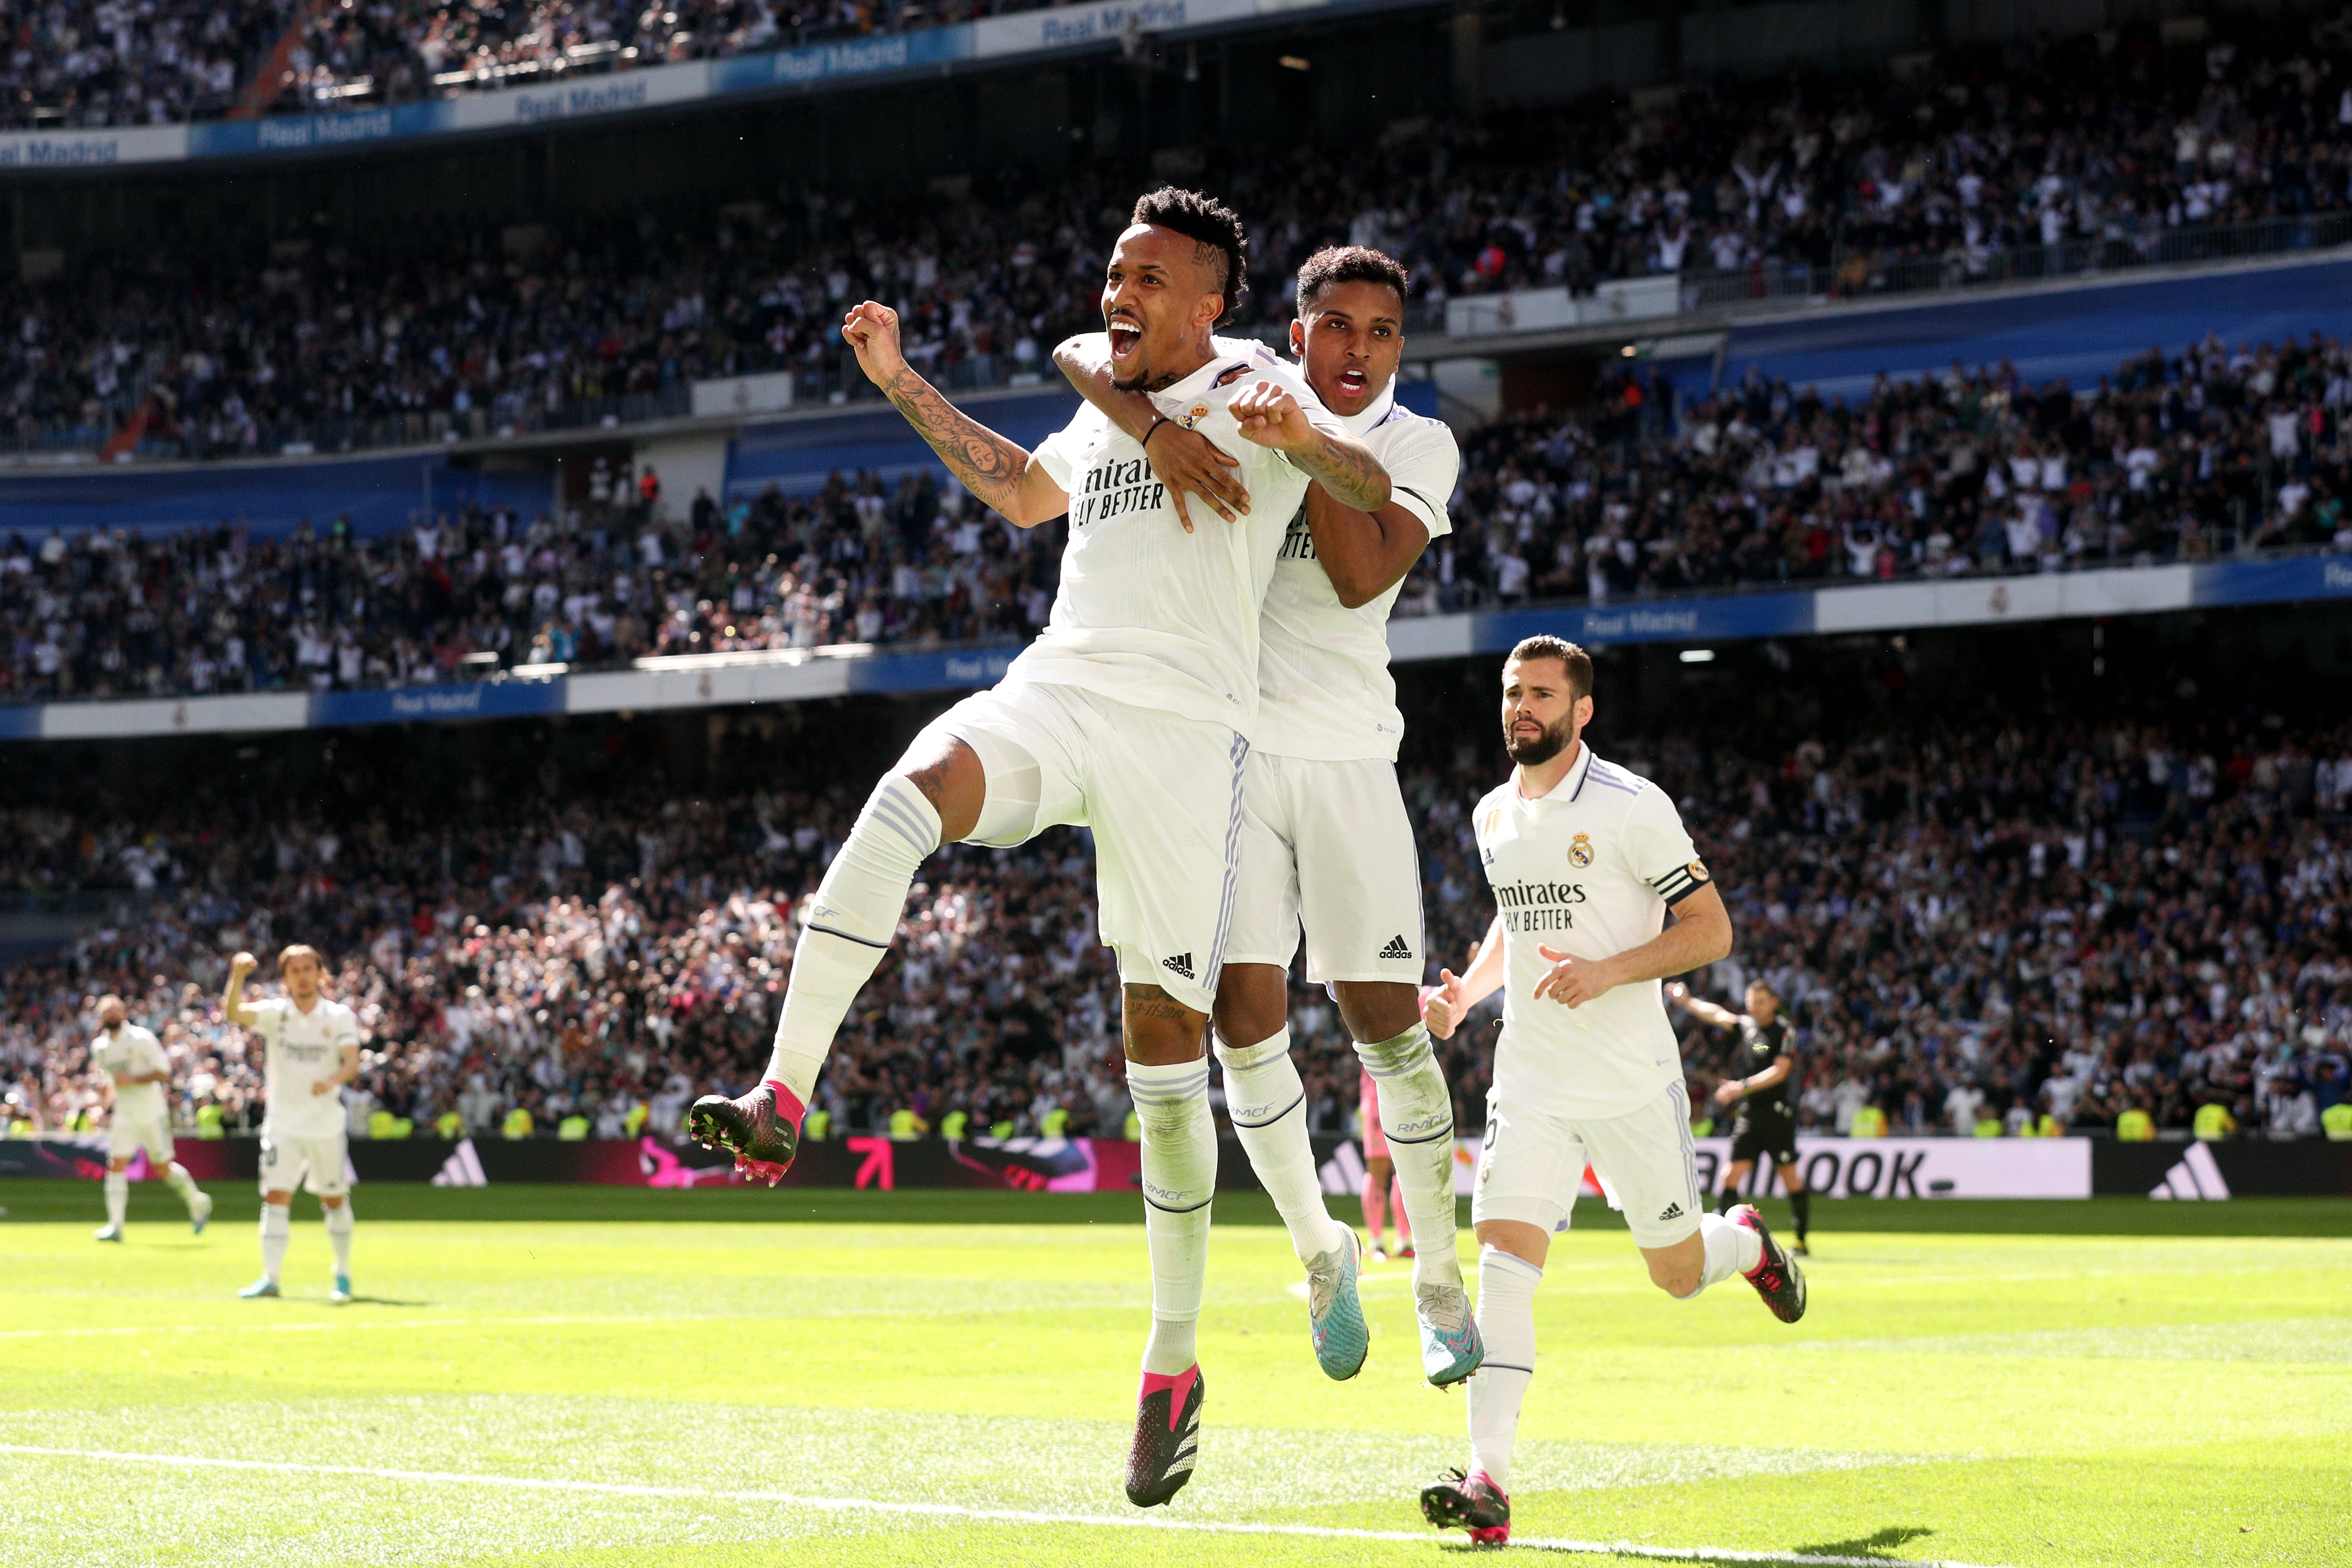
(138, 1074)
(312, 1046)
(1325, 835)
(1585, 860)
(1766, 1124)
(1131, 714)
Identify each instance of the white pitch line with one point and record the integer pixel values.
(347, 1323)
(975, 1515)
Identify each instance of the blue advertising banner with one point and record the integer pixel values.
(2272, 582)
(380, 495)
(478, 699)
(1729, 619)
(21, 723)
(966, 667)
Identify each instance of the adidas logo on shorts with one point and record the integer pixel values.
(1397, 948)
(1673, 1211)
(1181, 963)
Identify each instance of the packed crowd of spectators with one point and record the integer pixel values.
(462, 596)
(2106, 902)
(2220, 448)
(66, 64)
(400, 335)
(389, 54)
(2217, 450)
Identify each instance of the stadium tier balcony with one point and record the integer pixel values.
(2224, 453)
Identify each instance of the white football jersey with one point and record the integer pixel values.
(1323, 669)
(133, 1049)
(302, 1049)
(1146, 614)
(1589, 871)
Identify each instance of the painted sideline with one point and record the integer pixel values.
(957, 1511)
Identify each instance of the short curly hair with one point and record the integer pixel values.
(1216, 227)
(1337, 264)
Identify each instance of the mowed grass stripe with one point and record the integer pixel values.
(937, 1511)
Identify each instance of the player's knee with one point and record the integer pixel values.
(1253, 1003)
(279, 1200)
(1679, 1271)
(1159, 1031)
(1681, 1283)
(1377, 1010)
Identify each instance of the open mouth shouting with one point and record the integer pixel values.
(1126, 340)
(1354, 383)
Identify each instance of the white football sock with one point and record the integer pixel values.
(339, 1232)
(1267, 1102)
(1730, 1249)
(176, 1177)
(277, 1229)
(1417, 1120)
(1507, 1322)
(849, 926)
(1180, 1178)
(118, 1197)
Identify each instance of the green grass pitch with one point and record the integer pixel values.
(618, 1377)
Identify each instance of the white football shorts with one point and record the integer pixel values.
(1329, 843)
(319, 1163)
(128, 1136)
(1163, 795)
(1532, 1165)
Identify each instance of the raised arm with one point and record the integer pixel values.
(1186, 461)
(1002, 475)
(233, 1005)
(1342, 465)
(1698, 1007)
(1365, 553)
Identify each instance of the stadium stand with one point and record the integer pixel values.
(114, 62)
(2220, 451)
(2035, 894)
(1987, 164)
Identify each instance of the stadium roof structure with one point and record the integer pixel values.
(799, 675)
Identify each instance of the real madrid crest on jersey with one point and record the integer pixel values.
(1579, 851)
(1192, 418)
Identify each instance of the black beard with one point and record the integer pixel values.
(1535, 753)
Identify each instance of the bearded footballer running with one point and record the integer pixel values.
(1585, 860)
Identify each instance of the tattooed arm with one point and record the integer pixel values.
(1002, 475)
(1341, 463)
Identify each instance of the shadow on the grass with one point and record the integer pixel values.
(1880, 1545)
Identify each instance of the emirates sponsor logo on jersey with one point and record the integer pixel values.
(1114, 489)
(1538, 905)
(1299, 541)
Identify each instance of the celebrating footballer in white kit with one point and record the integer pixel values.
(312, 1048)
(1131, 714)
(1324, 833)
(139, 1074)
(1585, 860)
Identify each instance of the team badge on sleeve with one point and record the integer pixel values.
(1579, 851)
(1697, 869)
